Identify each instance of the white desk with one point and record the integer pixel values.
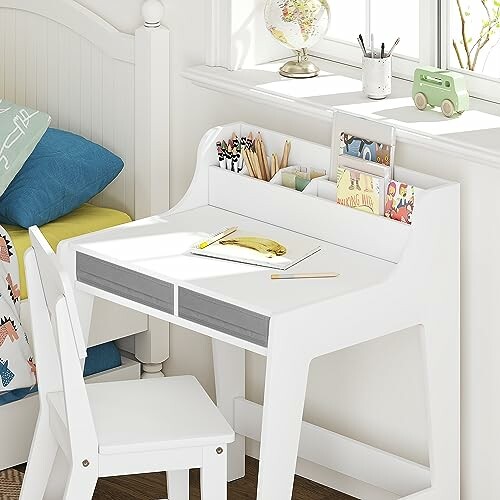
(146, 265)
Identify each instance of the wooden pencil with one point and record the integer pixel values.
(264, 156)
(286, 155)
(262, 160)
(248, 163)
(256, 165)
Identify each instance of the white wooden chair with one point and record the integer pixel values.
(102, 429)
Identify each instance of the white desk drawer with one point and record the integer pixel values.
(129, 284)
(223, 317)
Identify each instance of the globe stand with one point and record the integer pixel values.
(300, 68)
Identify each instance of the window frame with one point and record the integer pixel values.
(403, 67)
(481, 86)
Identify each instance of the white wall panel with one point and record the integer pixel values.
(51, 67)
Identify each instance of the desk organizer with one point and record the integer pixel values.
(313, 211)
(361, 306)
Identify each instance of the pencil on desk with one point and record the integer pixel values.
(217, 237)
(303, 276)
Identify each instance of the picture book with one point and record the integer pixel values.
(360, 190)
(260, 250)
(365, 149)
(400, 201)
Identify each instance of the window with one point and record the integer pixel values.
(472, 43)
(387, 20)
(461, 35)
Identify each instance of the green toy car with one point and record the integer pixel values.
(438, 87)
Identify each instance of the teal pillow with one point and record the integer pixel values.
(20, 130)
(63, 172)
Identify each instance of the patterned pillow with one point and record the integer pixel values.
(20, 130)
(17, 368)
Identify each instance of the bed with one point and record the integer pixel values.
(112, 88)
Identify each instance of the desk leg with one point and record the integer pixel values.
(229, 369)
(85, 305)
(285, 390)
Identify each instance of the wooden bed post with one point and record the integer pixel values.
(152, 117)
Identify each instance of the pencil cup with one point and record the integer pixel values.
(377, 74)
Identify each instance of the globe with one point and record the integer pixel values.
(297, 24)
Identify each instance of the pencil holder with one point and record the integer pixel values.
(376, 77)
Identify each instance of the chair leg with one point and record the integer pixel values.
(81, 484)
(213, 476)
(41, 459)
(178, 484)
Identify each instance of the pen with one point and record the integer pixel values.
(303, 276)
(382, 50)
(393, 47)
(217, 237)
(372, 44)
(362, 45)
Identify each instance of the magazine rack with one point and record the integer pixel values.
(301, 319)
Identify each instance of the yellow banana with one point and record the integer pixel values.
(261, 245)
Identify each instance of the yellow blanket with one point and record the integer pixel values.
(83, 220)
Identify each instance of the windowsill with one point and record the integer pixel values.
(475, 134)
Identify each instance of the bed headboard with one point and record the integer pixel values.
(111, 87)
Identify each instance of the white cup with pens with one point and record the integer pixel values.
(376, 69)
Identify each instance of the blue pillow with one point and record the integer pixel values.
(63, 172)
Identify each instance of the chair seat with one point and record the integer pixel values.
(151, 415)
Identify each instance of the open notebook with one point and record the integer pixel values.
(298, 247)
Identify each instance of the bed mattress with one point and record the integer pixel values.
(83, 220)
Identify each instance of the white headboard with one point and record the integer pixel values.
(111, 87)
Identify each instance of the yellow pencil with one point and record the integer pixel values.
(217, 237)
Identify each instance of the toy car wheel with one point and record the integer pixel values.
(448, 108)
(420, 100)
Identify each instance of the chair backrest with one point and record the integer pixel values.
(55, 346)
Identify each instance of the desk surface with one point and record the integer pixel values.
(159, 247)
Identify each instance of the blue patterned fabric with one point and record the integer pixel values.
(99, 358)
(63, 172)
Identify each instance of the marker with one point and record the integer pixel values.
(382, 50)
(362, 45)
(393, 47)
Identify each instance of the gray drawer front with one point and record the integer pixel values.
(129, 284)
(223, 317)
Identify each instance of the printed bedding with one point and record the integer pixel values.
(17, 368)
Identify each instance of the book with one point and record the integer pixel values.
(400, 201)
(240, 246)
(365, 149)
(359, 190)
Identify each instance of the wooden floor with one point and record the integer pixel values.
(153, 487)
